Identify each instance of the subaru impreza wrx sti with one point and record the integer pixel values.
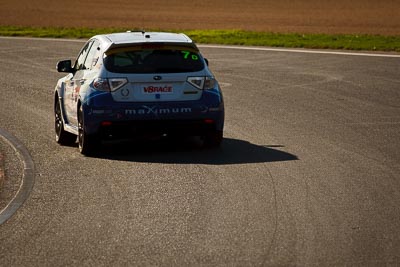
(125, 85)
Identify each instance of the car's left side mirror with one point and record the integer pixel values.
(64, 66)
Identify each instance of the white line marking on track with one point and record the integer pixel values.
(28, 177)
(305, 51)
(45, 39)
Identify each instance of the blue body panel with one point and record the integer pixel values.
(100, 107)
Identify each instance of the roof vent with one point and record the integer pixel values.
(147, 36)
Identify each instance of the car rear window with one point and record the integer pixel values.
(153, 61)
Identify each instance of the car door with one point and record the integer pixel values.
(73, 85)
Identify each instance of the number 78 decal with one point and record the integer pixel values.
(186, 55)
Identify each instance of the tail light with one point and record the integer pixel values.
(109, 85)
(203, 83)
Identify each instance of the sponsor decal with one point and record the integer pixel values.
(75, 94)
(167, 89)
(145, 110)
(124, 92)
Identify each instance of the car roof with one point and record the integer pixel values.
(114, 40)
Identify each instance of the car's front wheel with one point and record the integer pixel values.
(87, 143)
(62, 137)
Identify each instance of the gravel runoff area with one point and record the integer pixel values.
(300, 16)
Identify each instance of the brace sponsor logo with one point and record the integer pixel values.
(167, 89)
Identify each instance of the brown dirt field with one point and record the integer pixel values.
(303, 16)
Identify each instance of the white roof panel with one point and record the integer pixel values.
(115, 40)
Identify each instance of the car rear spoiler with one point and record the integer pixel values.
(120, 47)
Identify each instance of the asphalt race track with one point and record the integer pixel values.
(308, 174)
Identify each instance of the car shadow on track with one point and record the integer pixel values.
(232, 151)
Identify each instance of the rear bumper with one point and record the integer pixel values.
(129, 129)
(103, 114)
(188, 118)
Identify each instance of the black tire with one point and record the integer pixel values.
(62, 137)
(88, 144)
(213, 139)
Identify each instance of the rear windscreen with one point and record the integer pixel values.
(153, 61)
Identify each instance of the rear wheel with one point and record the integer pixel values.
(87, 143)
(213, 139)
(62, 137)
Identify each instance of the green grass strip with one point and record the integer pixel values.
(235, 37)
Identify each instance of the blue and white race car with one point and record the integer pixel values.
(137, 83)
